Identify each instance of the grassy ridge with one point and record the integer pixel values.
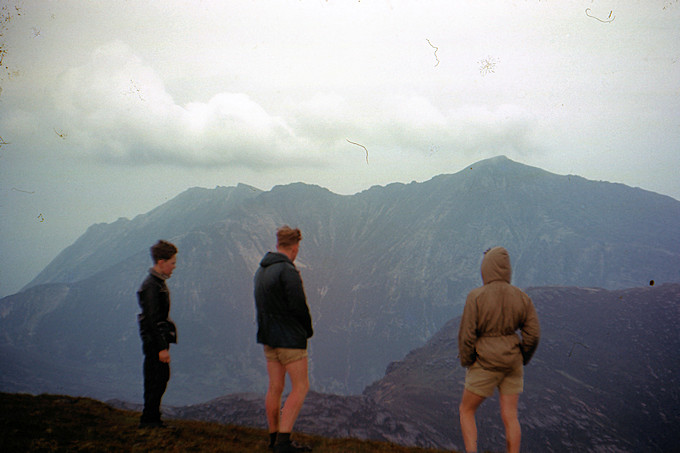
(56, 423)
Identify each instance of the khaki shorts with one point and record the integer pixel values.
(284, 355)
(483, 382)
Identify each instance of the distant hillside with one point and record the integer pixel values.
(383, 270)
(604, 378)
(61, 423)
(104, 245)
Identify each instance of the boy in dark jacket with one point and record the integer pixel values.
(157, 331)
(284, 325)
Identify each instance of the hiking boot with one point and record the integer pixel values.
(156, 425)
(291, 447)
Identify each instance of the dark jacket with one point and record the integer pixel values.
(493, 314)
(283, 319)
(155, 326)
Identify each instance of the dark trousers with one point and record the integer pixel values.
(156, 377)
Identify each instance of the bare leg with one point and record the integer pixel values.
(272, 402)
(300, 386)
(468, 406)
(513, 431)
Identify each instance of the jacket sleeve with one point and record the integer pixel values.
(150, 319)
(531, 331)
(467, 333)
(296, 299)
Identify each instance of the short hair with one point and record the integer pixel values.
(287, 236)
(163, 250)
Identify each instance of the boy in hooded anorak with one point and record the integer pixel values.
(491, 349)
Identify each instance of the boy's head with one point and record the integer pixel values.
(164, 255)
(287, 236)
(162, 250)
(288, 241)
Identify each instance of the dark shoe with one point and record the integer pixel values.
(156, 425)
(291, 447)
(144, 425)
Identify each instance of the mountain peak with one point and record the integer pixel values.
(496, 160)
(500, 162)
(241, 186)
(500, 172)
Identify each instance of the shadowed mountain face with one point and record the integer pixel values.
(383, 270)
(604, 378)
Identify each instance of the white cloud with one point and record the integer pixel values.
(115, 108)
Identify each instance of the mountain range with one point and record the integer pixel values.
(384, 270)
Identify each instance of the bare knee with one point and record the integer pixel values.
(509, 418)
(275, 388)
(509, 409)
(469, 403)
(301, 387)
(299, 377)
(508, 412)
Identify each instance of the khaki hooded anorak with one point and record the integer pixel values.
(492, 316)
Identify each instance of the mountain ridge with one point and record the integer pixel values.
(384, 270)
(142, 230)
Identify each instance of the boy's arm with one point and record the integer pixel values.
(467, 333)
(149, 300)
(531, 332)
(296, 298)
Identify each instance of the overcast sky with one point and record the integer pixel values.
(110, 108)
